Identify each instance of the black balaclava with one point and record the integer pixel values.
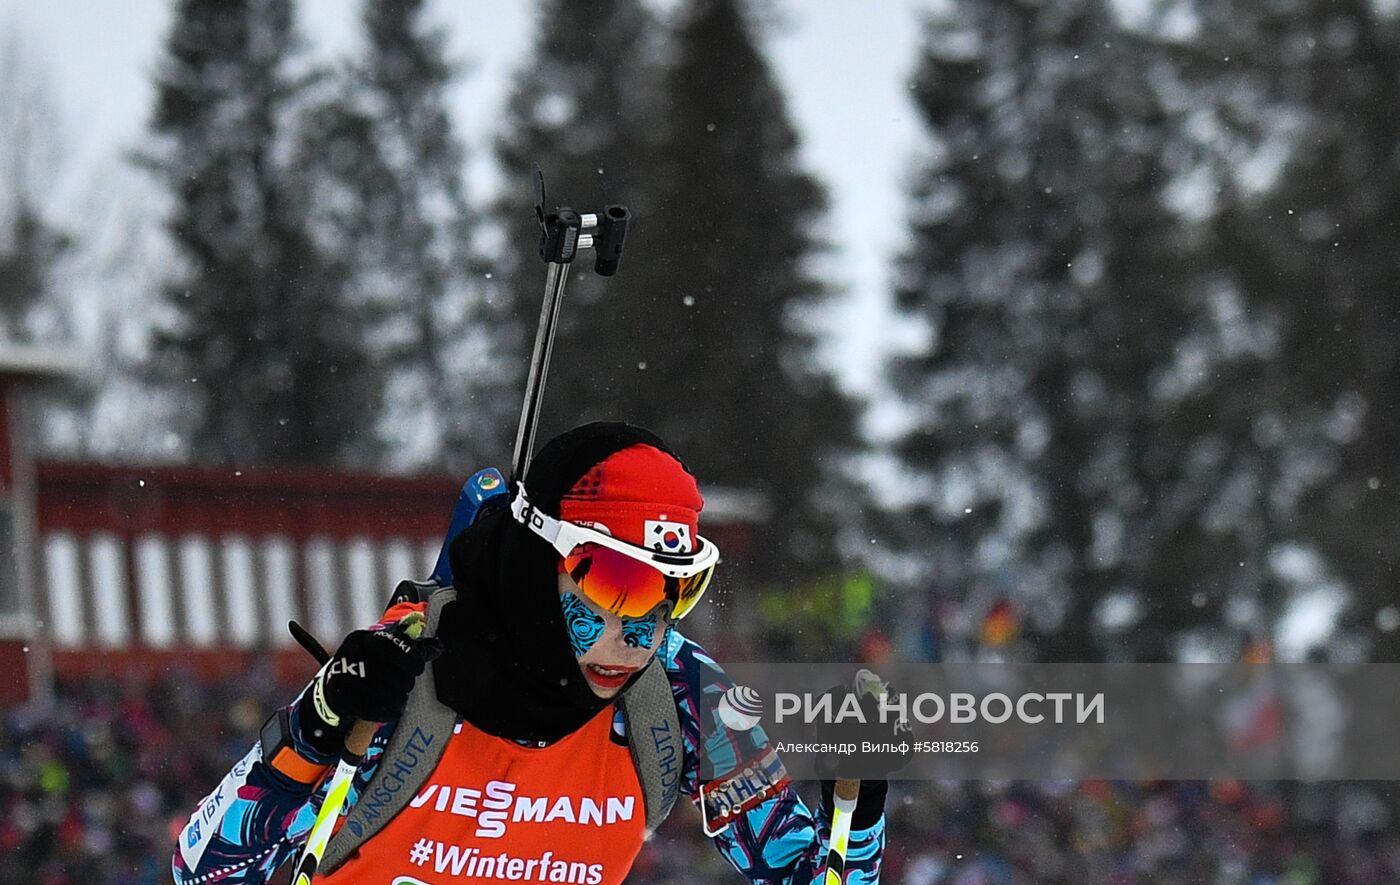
(507, 665)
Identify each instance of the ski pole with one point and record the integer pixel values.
(356, 743)
(844, 799)
(847, 790)
(563, 233)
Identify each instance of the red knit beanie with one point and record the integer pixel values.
(640, 495)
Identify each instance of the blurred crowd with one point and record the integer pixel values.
(94, 787)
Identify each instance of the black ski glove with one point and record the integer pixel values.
(369, 677)
(868, 730)
(874, 766)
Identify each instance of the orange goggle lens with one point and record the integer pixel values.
(628, 587)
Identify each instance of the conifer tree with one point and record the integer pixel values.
(703, 334)
(256, 333)
(584, 108)
(730, 290)
(386, 197)
(30, 249)
(1310, 87)
(1062, 456)
(31, 246)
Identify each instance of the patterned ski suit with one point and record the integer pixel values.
(516, 823)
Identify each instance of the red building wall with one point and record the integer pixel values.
(141, 568)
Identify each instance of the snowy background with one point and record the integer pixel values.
(95, 61)
(1013, 330)
(1069, 326)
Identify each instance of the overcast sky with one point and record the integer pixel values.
(844, 64)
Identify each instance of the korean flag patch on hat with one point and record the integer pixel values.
(667, 537)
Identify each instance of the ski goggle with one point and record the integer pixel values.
(625, 579)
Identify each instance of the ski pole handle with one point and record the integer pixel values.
(844, 799)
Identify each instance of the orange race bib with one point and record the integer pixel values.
(494, 810)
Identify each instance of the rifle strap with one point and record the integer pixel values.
(654, 737)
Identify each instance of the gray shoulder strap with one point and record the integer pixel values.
(411, 755)
(654, 737)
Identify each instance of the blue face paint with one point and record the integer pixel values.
(639, 632)
(584, 626)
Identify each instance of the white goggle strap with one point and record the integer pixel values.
(564, 536)
(536, 520)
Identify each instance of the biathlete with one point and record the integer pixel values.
(565, 600)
